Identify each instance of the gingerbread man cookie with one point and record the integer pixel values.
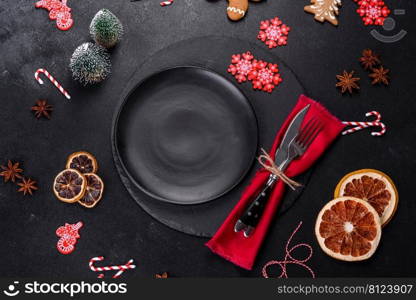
(237, 9)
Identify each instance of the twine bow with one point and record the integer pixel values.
(268, 163)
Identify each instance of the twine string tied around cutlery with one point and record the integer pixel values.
(268, 164)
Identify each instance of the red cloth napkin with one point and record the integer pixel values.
(243, 251)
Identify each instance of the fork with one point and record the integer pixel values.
(301, 142)
(296, 148)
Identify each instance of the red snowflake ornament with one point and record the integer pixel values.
(263, 75)
(241, 65)
(273, 32)
(59, 11)
(68, 237)
(373, 12)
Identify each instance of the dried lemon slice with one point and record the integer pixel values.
(93, 192)
(82, 161)
(348, 229)
(69, 185)
(372, 186)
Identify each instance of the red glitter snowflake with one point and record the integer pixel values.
(273, 32)
(373, 12)
(263, 75)
(241, 65)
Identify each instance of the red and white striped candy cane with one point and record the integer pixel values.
(166, 3)
(120, 268)
(50, 77)
(361, 125)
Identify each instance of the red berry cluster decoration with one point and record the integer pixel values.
(273, 32)
(373, 12)
(59, 11)
(263, 75)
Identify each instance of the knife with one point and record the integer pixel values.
(249, 220)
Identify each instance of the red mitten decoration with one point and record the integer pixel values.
(68, 237)
(59, 11)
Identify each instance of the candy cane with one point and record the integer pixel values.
(166, 3)
(50, 77)
(361, 125)
(120, 268)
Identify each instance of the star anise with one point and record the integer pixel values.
(347, 82)
(163, 275)
(11, 172)
(369, 59)
(42, 108)
(27, 186)
(379, 75)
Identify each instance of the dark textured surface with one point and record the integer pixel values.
(117, 227)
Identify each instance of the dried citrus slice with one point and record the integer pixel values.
(82, 161)
(372, 186)
(93, 192)
(348, 228)
(69, 185)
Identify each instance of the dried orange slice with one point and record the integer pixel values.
(93, 192)
(372, 186)
(348, 228)
(82, 161)
(69, 185)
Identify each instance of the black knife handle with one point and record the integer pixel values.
(255, 210)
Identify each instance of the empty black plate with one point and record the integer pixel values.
(186, 135)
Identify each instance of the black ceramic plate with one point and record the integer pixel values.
(186, 135)
(213, 53)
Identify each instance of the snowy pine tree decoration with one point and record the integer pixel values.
(90, 63)
(106, 29)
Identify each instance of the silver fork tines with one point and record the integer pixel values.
(305, 137)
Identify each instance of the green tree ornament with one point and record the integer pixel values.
(106, 29)
(90, 63)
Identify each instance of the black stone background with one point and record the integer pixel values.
(117, 228)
